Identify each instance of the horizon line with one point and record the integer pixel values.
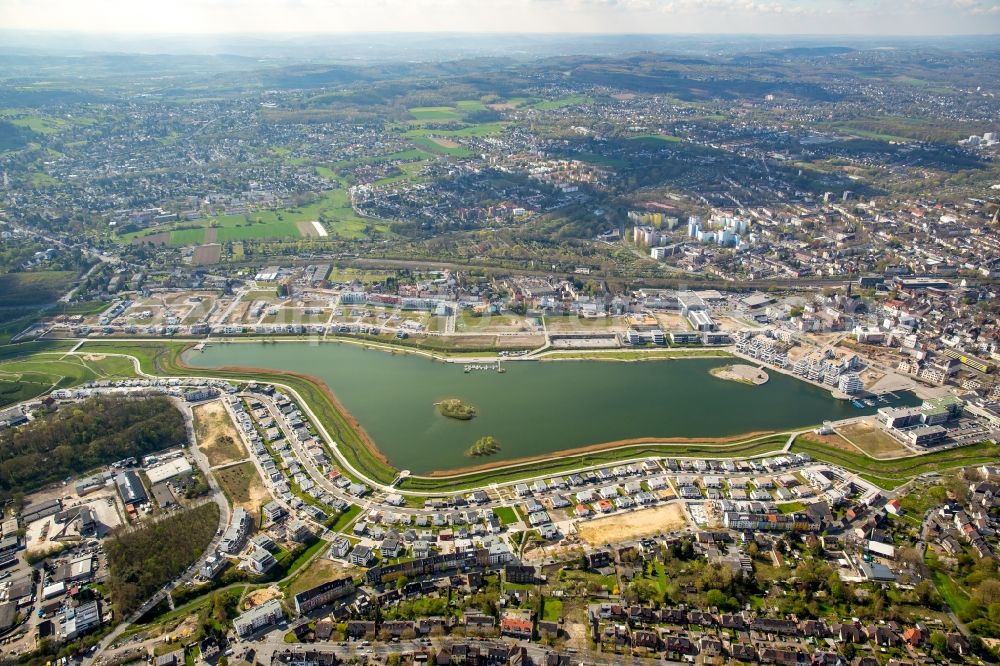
(295, 33)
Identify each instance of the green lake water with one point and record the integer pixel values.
(535, 407)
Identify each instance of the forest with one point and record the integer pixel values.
(139, 564)
(80, 437)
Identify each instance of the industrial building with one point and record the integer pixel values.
(130, 488)
(168, 469)
(80, 620)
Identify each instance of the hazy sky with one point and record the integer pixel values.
(930, 17)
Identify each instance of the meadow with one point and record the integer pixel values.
(563, 102)
(24, 378)
(333, 210)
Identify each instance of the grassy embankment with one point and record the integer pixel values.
(758, 446)
(895, 472)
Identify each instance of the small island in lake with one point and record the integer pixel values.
(484, 446)
(454, 408)
(744, 374)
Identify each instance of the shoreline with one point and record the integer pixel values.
(741, 374)
(463, 356)
(721, 442)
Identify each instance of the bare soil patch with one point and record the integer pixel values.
(625, 527)
(519, 341)
(258, 597)
(445, 143)
(162, 238)
(672, 322)
(217, 436)
(741, 373)
(872, 440)
(319, 571)
(307, 229)
(205, 255)
(211, 234)
(834, 441)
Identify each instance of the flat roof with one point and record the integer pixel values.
(168, 469)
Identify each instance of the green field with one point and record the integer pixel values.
(950, 591)
(506, 515)
(552, 609)
(470, 105)
(563, 102)
(423, 138)
(27, 378)
(411, 173)
(877, 136)
(656, 138)
(478, 129)
(344, 519)
(427, 143)
(40, 124)
(435, 113)
(333, 209)
(895, 472)
(413, 154)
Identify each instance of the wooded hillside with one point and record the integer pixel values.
(80, 437)
(140, 562)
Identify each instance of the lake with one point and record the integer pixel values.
(534, 407)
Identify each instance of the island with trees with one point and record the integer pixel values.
(484, 446)
(454, 408)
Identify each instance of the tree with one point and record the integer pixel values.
(987, 592)
(926, 594)
(640, 591)
(939, 642)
